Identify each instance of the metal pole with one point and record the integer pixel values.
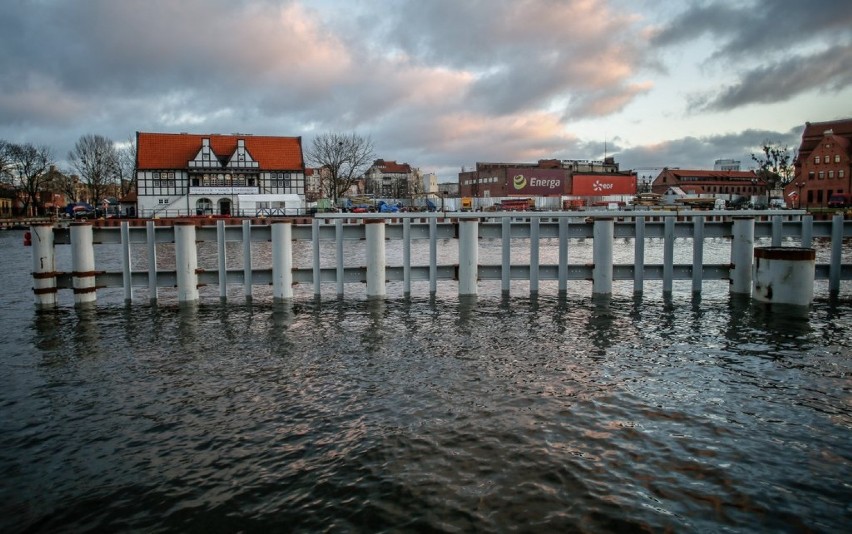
(602, 232)
(563, 255)
(742, 255)
(639, 256)
(506, 271)
(223, 259)
(126, 270)
(468, 256)
(375, 233)
(697, 253)
(186, 261)
(836, 254)
(151, 237)
(535, 231)
(282, 260)
(316, 257)
(247, 279)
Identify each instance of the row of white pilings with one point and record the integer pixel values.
(186, 275)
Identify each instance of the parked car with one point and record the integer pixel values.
(840, 200)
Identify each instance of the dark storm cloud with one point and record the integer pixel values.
(690, 152)
(782, 80)
(775, 32)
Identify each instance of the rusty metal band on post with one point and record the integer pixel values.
(85, 274)
(785, 253)
(43, 276)
(84, 290)
(44, 290)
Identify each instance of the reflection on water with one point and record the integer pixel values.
(689, 413)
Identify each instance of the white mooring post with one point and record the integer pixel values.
(784, 275)
(126, 268)
(639, 256)
(375, 233)
(468, 256)
(742, 253)
(44, 265)
(282, 260)
(186, 261)
(506, 256)
(602, 233)
(83, 263)
(222, 257)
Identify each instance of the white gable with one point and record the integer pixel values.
(205, 158)
(241, 159)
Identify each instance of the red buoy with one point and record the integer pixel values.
(28, 239)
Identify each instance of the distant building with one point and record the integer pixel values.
(389, 179)
(727, 185)
(726, 165)
(546, 178)
(822, 167)
(189, 174)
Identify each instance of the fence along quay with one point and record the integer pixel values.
(741, 227)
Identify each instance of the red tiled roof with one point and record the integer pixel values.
(389, 167)
(814, 132)
(174, 151)
(713, 175)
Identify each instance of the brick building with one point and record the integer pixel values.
(727, 185)
(822, 167)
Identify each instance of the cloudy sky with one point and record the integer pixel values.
(439, 84)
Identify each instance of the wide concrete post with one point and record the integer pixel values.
(375, 233)
(742, 252)
(82, 263)
(44, 265)
(186, 261)
(784, 275)
(468, 256)
(282, 259)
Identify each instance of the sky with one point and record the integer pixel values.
(438, 84)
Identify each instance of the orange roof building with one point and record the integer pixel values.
(205, 174)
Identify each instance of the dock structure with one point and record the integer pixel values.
(510, 229)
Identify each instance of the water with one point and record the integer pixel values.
(693, 414)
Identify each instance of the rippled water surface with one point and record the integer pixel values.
(694, 414)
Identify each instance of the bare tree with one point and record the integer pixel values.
(94, 158)
(6, 174)
(345, 156)
(126, 167)
(775, 164)
(30, 164)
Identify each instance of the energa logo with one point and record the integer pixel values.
(519, 182)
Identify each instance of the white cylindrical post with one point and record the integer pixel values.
(742, 252)
(433, 255)
(282, 259)
(468, 256)
(44, 265)
(784, 275)
(186, 261)
(602, 233)
(375, 234)
(83, 263)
